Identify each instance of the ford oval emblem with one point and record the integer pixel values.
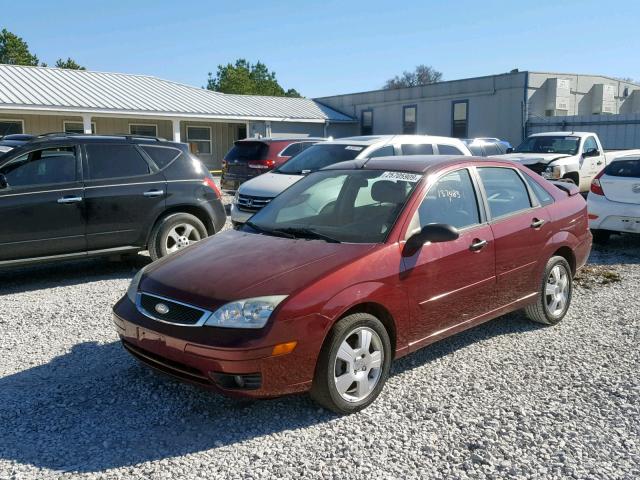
(162, 309)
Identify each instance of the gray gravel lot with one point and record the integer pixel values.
(505, 399)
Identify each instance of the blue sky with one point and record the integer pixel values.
(330, 47)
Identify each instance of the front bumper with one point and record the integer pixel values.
(239, 216)
(262, 374)
(605, 214)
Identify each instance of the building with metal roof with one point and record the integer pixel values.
(40, 99)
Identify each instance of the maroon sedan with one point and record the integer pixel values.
(353, 266)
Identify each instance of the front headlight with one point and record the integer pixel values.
(133, 286)
(248, 313)
(552, 172)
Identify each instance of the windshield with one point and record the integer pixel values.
(356, 206)
(319, 156)
(247, 151)
(550, 144)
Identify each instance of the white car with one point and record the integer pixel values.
(257, 192)
(614, 199)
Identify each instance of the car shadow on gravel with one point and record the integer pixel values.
(64, 274)
(95, 408)
(620, 249)
(512, 323)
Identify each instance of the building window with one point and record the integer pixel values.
(143, 129)
(199, 140)
(366, 122)
(460, 119)
(10, 127)
(409, 119)
(77, 127)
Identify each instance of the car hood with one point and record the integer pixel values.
(268, 184)
(233, 265)
(532, 158)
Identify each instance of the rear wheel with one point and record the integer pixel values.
(555, 294)
(175, 232)
(353, 365)
(601, 237)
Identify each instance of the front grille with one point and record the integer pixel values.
(537, 167)
(165, 365)
(177, 313)
(249, 203)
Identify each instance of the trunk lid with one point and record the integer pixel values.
(621, 181)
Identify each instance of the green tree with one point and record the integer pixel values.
(422, 75)
(14, 50)
(68, 63)
(247, 79)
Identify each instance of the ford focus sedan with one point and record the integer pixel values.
(354, 266)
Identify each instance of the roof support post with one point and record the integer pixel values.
(267, 129)
(175, 123)
(86, 124)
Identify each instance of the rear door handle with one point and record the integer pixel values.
(478, 244)
(70, 199)
(537, 223)
(154, 193)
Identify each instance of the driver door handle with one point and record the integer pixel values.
(478, 244)
(154, 193)
(70, 199)
(536, 223)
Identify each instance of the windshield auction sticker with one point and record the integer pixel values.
(353, 147)
(401, 176)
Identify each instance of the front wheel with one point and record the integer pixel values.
(175, 232)
(353, 365)
(555, 293)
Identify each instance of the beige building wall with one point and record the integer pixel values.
(222, 135)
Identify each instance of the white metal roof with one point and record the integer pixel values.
(81, 91)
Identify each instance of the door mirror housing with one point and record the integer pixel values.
(3, 181)
(431, 233)
(510, 149)
(592, 152)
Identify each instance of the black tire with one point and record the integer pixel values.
(601, 237)
(324, 390)
(540, 311)
(159, 234)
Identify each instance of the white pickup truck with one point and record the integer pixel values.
(574, 156)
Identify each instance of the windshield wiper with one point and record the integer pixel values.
(266, 231)
(301, 232)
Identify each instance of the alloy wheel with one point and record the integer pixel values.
(557, 290)
(180, 236)
(358, 364)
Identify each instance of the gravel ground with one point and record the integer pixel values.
(505, 399)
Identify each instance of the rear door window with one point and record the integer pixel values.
(476, 150)
(114, 161)
(42, 167)
(417, 149)
(386, 151)
(161, 156)
(505, 190)
(449, 150)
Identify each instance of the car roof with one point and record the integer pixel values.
(367, 140)
(562, 134)
(282, 139)
(414, 163)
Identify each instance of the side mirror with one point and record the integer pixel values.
(433, 233)
(509, 149)
(593, 152)
(3, 181)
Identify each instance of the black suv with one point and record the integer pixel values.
(68, 196)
